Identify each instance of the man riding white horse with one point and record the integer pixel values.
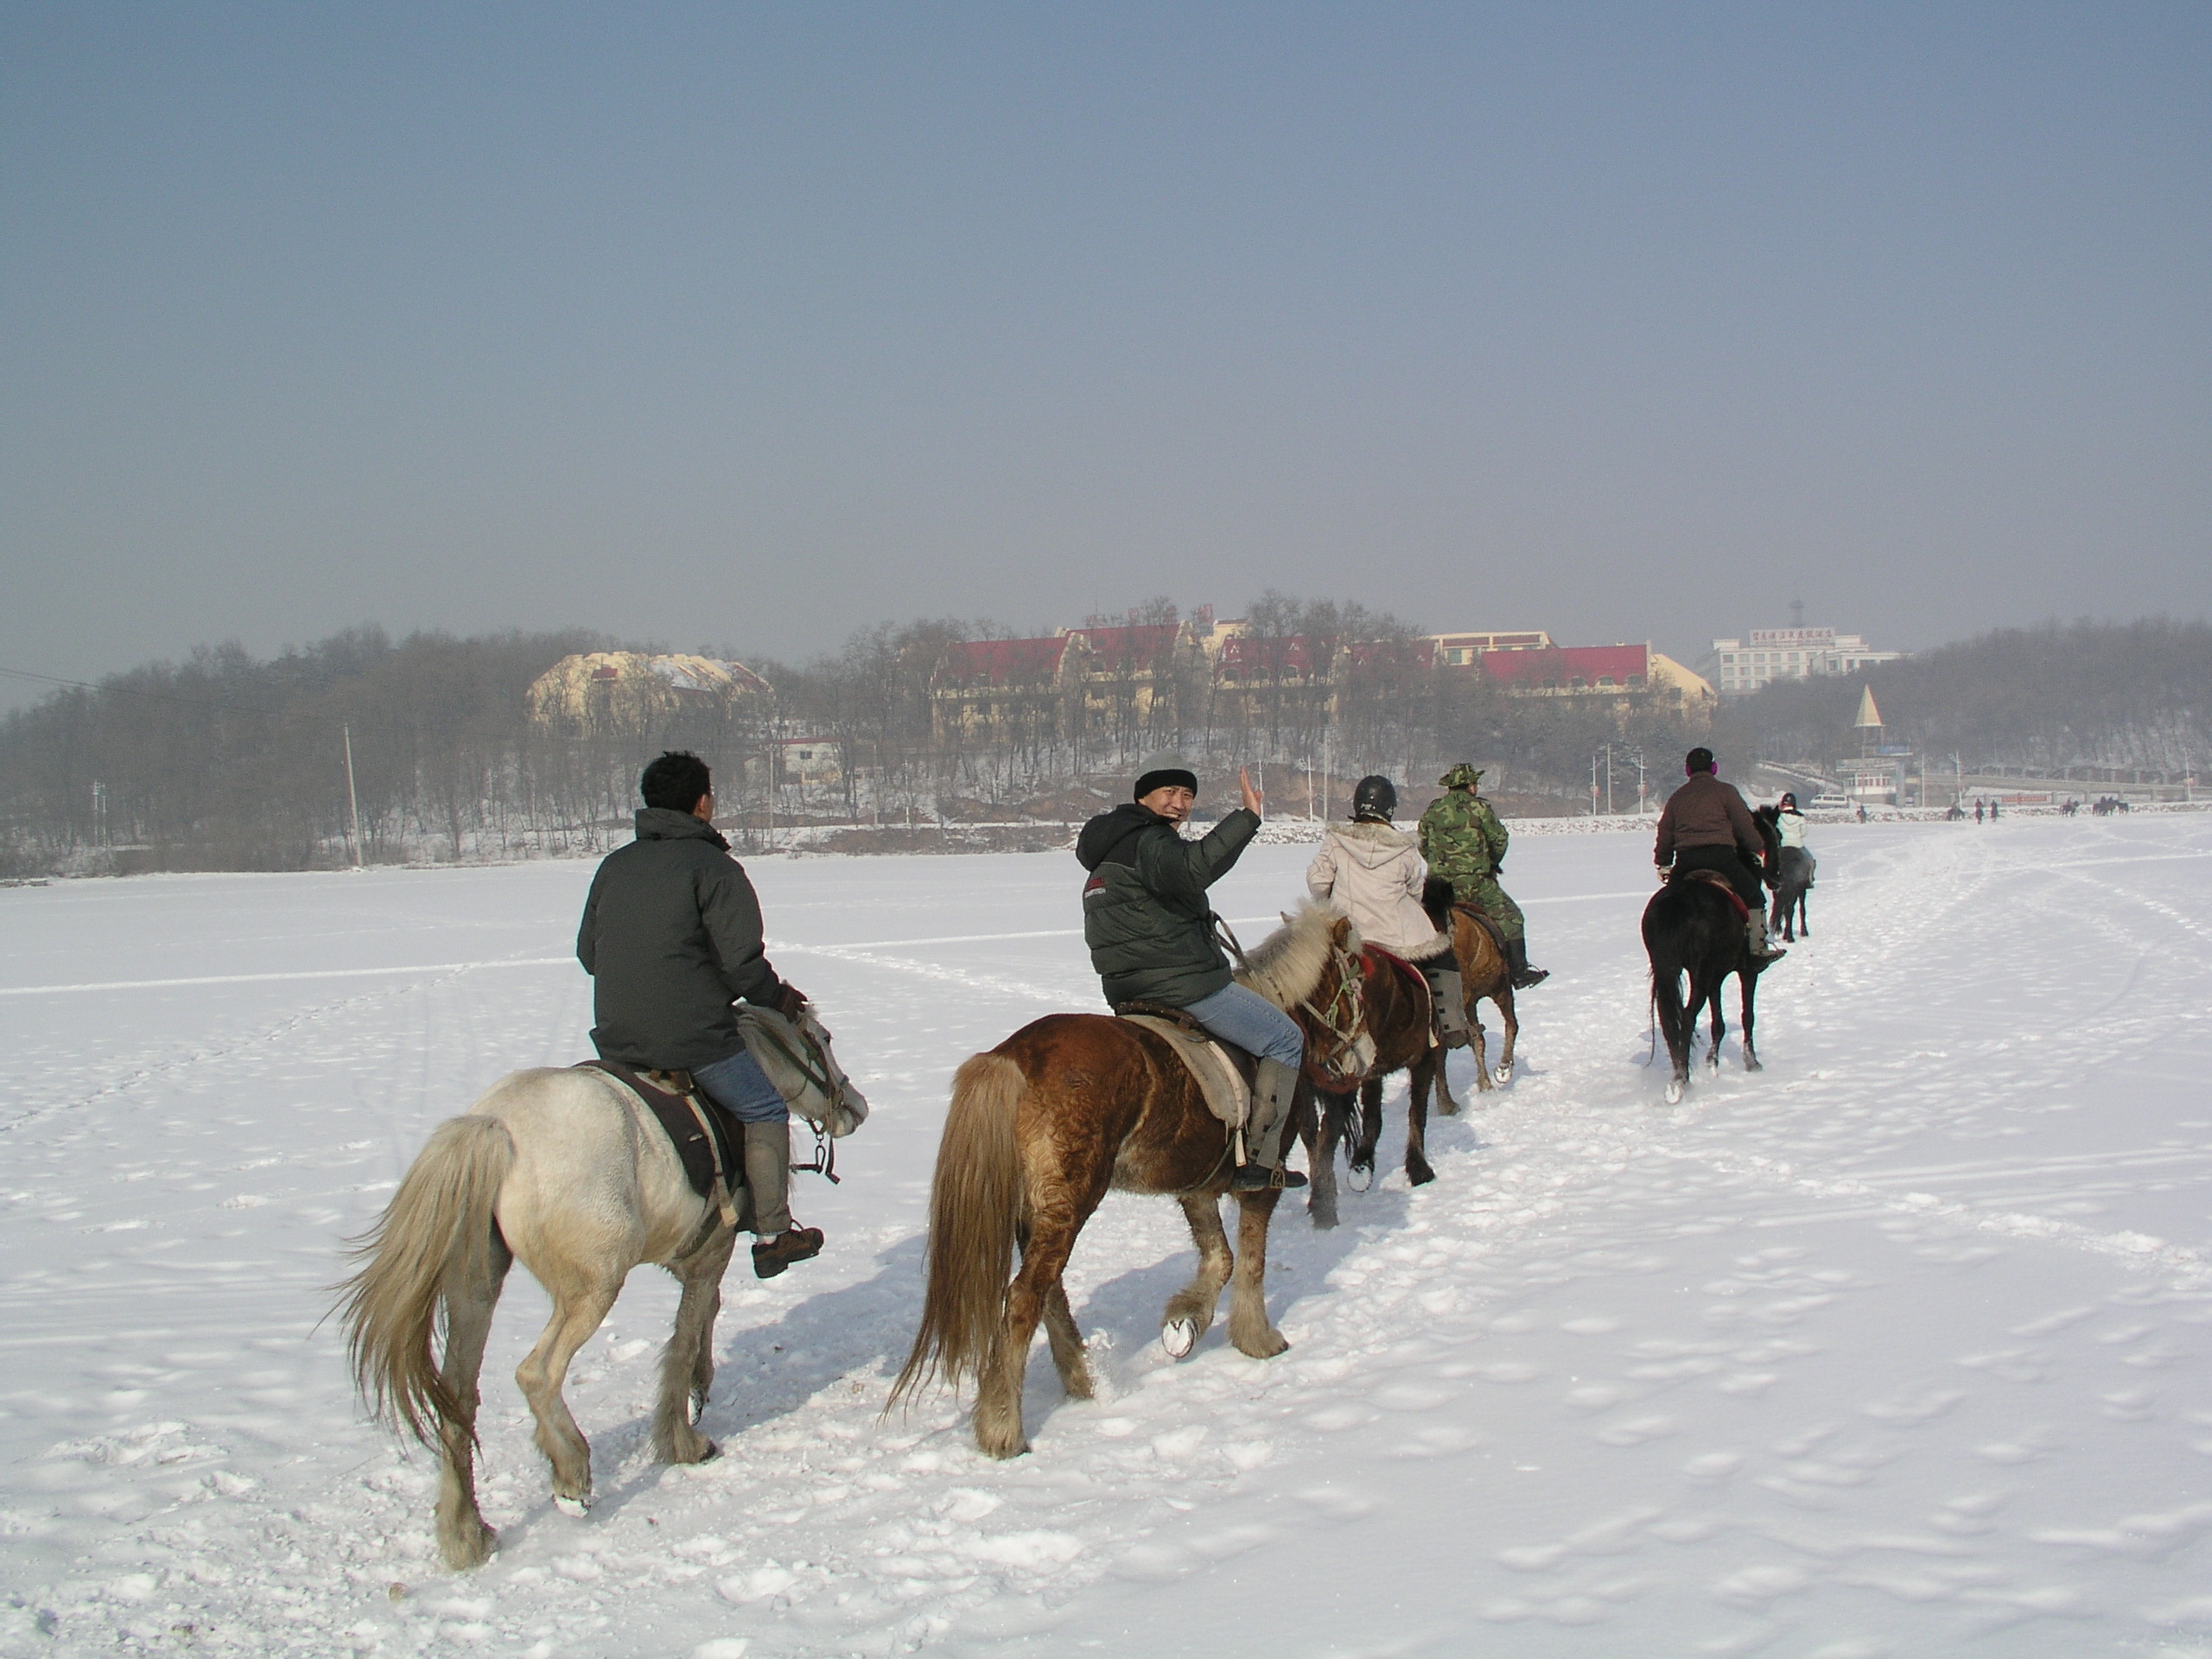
(1375, 874)
(1706, 826)
(671, 937)
(1151, 933)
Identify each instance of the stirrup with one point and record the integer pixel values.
(1258, 1177)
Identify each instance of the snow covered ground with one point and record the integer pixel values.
(1898, 1347)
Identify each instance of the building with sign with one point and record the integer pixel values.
(1738, 665)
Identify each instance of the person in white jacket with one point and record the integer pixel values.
(1374, 874)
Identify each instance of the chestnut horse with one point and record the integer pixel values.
(1482, 973)
(1397, 1001)
(1069, 1106)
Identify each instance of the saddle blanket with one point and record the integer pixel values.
(687, 1128)
(1226, 1086)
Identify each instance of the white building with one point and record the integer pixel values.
(1735, 666)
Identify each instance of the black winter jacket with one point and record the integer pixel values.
(671, 937)
(1145, 914)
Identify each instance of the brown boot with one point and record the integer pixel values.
(768, 1173)
(771, 1255)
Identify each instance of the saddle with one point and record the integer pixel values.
(1714, 879)
(704, 1135)
(1224, 1074)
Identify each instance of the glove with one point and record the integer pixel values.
(790, 1001)
(1662, 872)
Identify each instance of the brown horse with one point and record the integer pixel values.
(1069, 1106)
(1482, 973)
(1398, 1016)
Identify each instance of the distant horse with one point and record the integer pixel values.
(1069, 1106)
(570, 1171)
(1695, 928)
(1398, 1020)
(1482, 973)
(1794, 869)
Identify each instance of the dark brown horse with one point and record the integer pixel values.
(1482, 973)
(1694, 929)
(1069, 1106)
(1398, 1012)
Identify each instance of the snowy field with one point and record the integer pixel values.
(1898, 1348)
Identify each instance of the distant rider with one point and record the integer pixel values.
(1706, 826)
(1150, 930)
(1374, 874)
(671, 937)
(1465, 843)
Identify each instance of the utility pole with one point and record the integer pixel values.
(353, 797)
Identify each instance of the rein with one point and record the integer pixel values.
(1345, 996)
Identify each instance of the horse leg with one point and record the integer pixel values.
(1322, 1130)
(1719, 1023)
(579, 1309)
(1511, 1021)
(1045, 1253)
(1370, 1133)
(1068, 1357)
(687, 1364)
(1476, 1039)
(463, 1539)
(1417, 1081)
(1445, 1104)
(1248, 1292)
(1190, 1310)
(1804, 917)
(1749, 983)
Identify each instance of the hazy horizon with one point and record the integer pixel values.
(759, 325)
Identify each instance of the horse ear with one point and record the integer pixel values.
(1286, 916)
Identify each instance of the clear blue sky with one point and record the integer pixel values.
(756, 324)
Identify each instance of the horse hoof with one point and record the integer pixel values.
(1504, 1075)
(1360, 1177)
(1179, 1336)
(576, 1507)
(1421, 1176)
(1674, 1088)
(712, 1451)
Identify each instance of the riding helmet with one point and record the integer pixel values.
(1374, 797)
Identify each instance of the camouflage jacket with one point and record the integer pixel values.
(1461, 837)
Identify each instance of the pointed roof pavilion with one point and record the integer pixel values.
(1868, 713)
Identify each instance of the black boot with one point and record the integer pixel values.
(1268, 1128)
(1516, 959)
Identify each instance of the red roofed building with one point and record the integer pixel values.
(980, 663)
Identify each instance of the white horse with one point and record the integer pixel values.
(569, 1171)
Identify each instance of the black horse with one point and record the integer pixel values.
(1693, 927)
(1791, 878)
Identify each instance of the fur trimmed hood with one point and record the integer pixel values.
(1374, 874)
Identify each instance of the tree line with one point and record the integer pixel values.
(223, 761)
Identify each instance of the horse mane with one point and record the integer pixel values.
(1286, 966)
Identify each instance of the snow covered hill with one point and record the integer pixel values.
(1896, 1348)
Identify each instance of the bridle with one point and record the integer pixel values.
(1343, 1018)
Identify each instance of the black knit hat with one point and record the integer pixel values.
(1163, 772)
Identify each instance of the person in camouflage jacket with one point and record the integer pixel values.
(1465, 843)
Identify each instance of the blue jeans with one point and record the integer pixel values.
(1249, 1020)
(741, 1088)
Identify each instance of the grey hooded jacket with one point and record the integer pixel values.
(671, 937)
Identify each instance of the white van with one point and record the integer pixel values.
(1831, 803)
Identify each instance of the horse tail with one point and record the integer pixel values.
(1436, 897)
(1666, 926)
(437, 1232)
(976, 1205)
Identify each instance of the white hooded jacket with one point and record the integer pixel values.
(1374, 874)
